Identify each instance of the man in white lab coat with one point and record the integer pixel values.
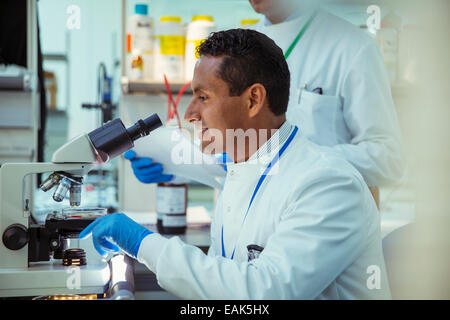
(340, 91)
(294, 220)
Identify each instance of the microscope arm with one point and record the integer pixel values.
(11, 185)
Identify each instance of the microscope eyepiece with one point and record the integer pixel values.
(143, 128)
(113, 138)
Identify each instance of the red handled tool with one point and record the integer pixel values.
(172, 106)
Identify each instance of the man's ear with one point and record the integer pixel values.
(256, 95)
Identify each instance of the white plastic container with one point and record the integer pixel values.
(198, 31)
(140, 32)
(169, 49)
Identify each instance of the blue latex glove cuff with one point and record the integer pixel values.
(116, 231)
(145, 170)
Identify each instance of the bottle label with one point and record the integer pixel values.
(171, 220)
(173, 45)
(170, 200)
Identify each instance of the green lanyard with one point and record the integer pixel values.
(299, 36)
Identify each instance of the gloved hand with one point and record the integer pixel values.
(145, 170)
(120, 229)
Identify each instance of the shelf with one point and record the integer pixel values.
(55, 57)
(57, 111)
(15, 83)
(144, 86)
(16, 151)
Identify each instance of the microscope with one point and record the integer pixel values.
(34, 259)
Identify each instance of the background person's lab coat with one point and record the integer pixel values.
(314, 217)
(356, 113)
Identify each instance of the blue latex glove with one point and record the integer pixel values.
(123, 231)
(145, 170)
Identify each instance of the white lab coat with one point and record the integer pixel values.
(356, 113)
(313, 215)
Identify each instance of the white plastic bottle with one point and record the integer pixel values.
(140, 37)
(198, 31)
(169, 48)
(137, 65)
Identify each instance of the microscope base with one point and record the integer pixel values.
(51, 278)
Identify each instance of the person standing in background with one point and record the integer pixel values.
(340, 91)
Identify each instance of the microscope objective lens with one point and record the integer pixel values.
(50, 182)
(75, 195)
(61, 190)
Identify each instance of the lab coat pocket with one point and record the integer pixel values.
(316, 116)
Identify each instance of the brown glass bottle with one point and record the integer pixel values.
(171, 206)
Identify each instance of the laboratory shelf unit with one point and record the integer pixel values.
(19, 101)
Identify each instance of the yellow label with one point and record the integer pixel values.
(249, 22)
(196, 43)
(170, 19)
(172, 45)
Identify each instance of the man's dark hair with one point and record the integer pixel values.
(250, 57)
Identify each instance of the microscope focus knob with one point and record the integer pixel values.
(15, 237)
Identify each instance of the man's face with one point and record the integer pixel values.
(212, 109)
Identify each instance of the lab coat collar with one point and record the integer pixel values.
(274, 143)
(262, 157)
